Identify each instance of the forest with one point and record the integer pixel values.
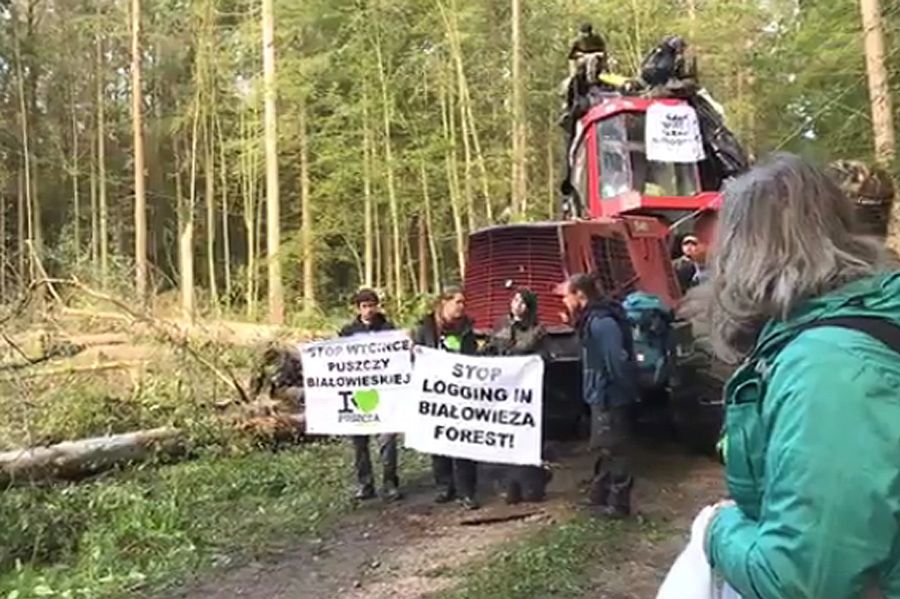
(395, 128)
(188, 187)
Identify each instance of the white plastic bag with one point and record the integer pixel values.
(691, 577)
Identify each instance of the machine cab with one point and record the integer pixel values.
(611, 171)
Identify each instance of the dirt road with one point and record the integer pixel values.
(415, 549)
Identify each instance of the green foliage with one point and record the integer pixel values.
(555, 562)
(87, 405)
(148, 525)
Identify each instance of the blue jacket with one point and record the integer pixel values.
(606, 358)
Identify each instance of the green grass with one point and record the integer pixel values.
(555, 562)
(150, 526)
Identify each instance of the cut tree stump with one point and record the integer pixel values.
(71, 460)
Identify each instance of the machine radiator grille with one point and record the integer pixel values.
(522, 256)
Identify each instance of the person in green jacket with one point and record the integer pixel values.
(812, 433)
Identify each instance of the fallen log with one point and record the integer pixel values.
(76, 369)
(72, 460)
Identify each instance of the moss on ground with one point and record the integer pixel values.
(555, 562)
(149, 526)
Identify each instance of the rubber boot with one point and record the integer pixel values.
(619, 498)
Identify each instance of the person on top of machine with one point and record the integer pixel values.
(588, 82)
(667, 71)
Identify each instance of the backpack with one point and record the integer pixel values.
(878, 328)
(651, 322)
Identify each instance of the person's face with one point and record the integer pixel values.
(517, 307)
(367, 311)
(574, 300)
(454, 308)
(689, 248)
(700, 251)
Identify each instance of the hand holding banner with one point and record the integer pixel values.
(357, 385)
(484, 409)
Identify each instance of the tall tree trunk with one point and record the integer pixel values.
(422, 251)
(186, 236)
(30, 215)
(95, 210)
(101, 163)
(21, 216)
(519, 156)
(209, 163)
(378, 246)
(76, 200)
(306, 226)
(389, 169)
(368, 209)
(140, 198)
(273, 207)
(248, 188)
(452, 183)
(879, 90)
(180, 214)
(429, 228)
(226, 229)
(469, 127)
(209, 178)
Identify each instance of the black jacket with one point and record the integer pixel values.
(379, 323)
(518, 337)
(426, 333)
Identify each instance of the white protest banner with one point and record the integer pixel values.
(484, 409)
(672, 134)
(357, 385)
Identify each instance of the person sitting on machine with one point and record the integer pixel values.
(587, 83)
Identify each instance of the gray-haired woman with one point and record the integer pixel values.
(812, 439)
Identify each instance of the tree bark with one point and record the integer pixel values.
(389, 169)
(226, 229)
(209, 178)
(140, 198)
(101, 164)
(368, 149)
(186, 235)
(95, 210)
(77, 459)
(879, 88)
(519, 155)
(429, 228)
(880, 98)
(273, 207)
(21, 215)
(452, 183)
(306, 226)
(30, 216)
(76, 200)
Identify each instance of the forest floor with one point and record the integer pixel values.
(239, 520)
(415, 549)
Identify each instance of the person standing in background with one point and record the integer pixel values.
(369, 319)
(690, 267)
(608, 387)
(448, 328)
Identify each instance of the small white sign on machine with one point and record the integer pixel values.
(672, 134)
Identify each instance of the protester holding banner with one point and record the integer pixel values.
(369, 319)
(448, 328)
(608, 388)
(521, 334)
